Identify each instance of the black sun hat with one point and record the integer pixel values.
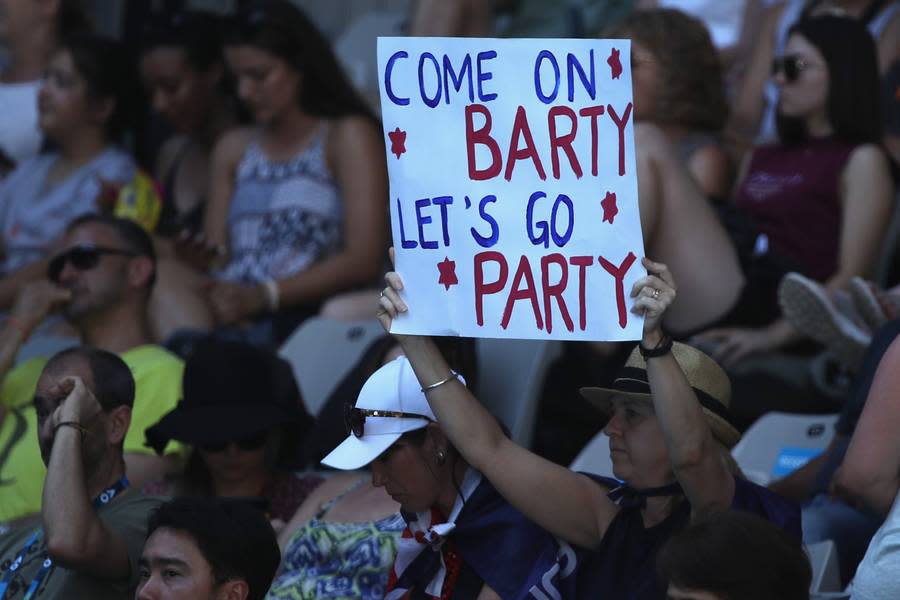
(231, 390)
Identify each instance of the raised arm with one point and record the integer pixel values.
(76, 536)
(225, 158)
(577, 510)
(693, 453)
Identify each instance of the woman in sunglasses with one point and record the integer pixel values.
(819, 201)
(462, 540)
(297, 202)
(241, 411)
(83, 109)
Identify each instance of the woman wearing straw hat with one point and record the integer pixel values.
(669, 439)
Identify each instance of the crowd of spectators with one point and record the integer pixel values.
(176, 203)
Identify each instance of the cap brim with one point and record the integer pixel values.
(205, 424)
(355, 453)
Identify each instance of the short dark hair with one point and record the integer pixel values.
(853, 82)
(736, 555)
(281, 28)
(234, 538)
(692, 87)
(105, 66)
(113, 382)
(132, 236)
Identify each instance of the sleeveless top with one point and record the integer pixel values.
(172, 221)
(326, 559)
(791, 195)
(284, 215)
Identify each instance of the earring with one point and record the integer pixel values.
(442, 458)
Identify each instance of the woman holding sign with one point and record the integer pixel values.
(297, 202)
(669, 439)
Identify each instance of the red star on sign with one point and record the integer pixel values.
(398, 141)
(610, 210)
(447, 269)
(615, 65)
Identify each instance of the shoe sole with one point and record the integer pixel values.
(810, 310)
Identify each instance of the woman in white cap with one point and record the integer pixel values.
(460, 533)
(669, 438)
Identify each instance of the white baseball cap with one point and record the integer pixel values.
(391, 389)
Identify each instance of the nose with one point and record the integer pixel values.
(245, 88)
(147, 591)
(160, 102)
(68, 272)
(378, 474)
(614, 425)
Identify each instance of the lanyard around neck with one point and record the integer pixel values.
(105, 497)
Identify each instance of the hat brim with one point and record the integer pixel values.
(601, 399)
(204, 424)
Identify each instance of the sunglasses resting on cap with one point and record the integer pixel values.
(83, 258)
(355, 418)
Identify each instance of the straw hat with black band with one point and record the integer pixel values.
(706, 377)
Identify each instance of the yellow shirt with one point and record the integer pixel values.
(21, 467)
(157, 378)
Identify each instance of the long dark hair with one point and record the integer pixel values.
(280, 28)
(853, 81)
(198, 34)
(106, 68)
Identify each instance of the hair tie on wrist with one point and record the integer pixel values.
(662, 348)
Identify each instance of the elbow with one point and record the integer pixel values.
(67, 551)
(689, 457)
(858, 484)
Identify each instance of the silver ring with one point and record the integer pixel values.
(655, 294)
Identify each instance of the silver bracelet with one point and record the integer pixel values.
(439, 383)
(273, 298)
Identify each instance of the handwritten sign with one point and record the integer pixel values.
(513, 191)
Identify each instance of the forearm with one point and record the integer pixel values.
(781, 333)
(12, 336)
(473, 430)
(12, 283)
(67, 512)
(335, 274)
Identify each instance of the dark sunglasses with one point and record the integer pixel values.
(791, 66)
(355, 418)
(83, 258)
(247, 444)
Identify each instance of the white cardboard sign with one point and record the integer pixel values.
(513, 189)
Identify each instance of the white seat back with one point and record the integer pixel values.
(826, 576)
(322, 351)
(789, 437)
(594, 457)
(510, 376)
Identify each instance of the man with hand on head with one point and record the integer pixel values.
(91, 528)
(203, 548)
(100, 279)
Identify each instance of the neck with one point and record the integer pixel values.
(249, 487)
(116, 330)
(449, 493)
(285, 131)
(817, 126)
(81, 146)
(673, 131)
(29, 55)
(106, 474)
(221, 117)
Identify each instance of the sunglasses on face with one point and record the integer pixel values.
(791, 66)
(355, 418)
(83, 258)
(247, 444)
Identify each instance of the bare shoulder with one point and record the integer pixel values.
(336, 485)
(867, 158)
(232, 143)
(348, 132)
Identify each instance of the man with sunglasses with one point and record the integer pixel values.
(92, 526)
(100, 280)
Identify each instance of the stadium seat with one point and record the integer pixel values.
(322, 351)
(510, 375)
(594, 457)
(826, 577)
(778, 443)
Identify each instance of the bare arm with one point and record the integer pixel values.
(866, 199)
(12, 283)
(693, 452)
(76, 536)
(870, 473)
(798, 485)
(711, 169)
(225, 158)
(356, 156)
